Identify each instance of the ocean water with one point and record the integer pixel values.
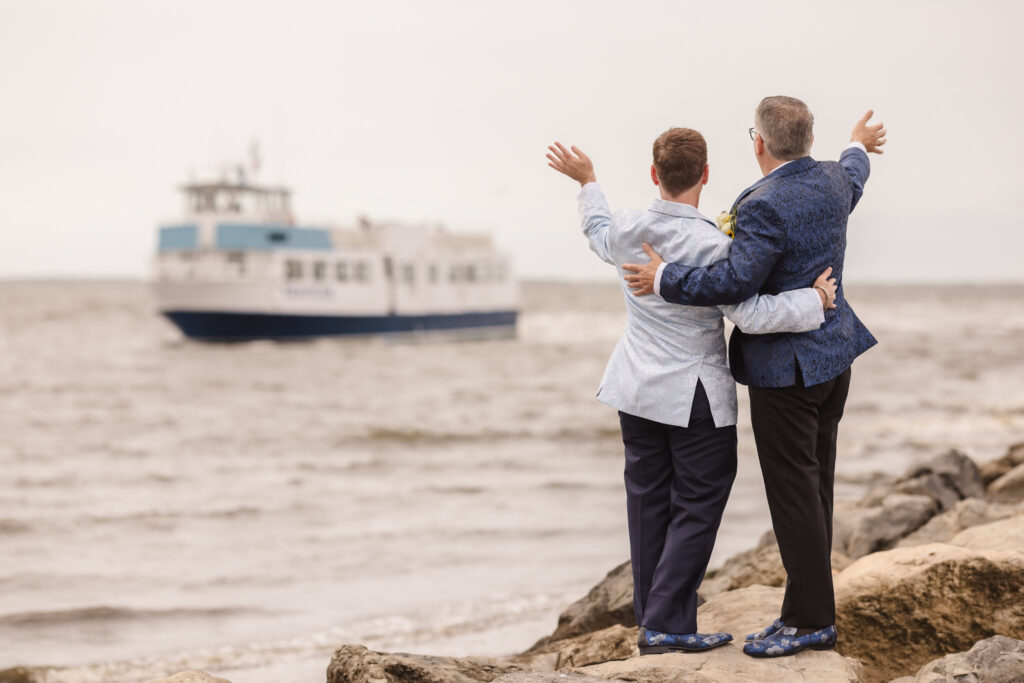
(246, 508)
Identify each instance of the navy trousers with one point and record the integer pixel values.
(677, 482)
(795, 429)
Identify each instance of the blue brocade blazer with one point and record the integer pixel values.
(790, 226)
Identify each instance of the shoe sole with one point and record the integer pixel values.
(764, 655)
(662, 649)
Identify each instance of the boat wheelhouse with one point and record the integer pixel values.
(238, 267)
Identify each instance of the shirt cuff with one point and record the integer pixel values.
(657, 279)
(588, 188)
(857, 145)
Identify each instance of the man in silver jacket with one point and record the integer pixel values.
(669, 379)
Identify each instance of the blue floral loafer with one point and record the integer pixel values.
(655, 642)
(785, 642)
(766, 631)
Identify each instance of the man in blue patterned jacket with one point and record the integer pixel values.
(789, 226)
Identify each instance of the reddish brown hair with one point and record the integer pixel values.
(680, 155)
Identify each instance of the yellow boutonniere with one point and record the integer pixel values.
(727, 223)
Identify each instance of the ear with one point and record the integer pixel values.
(707, 173)
(758, 145)
(654, 175)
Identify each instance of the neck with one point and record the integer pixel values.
(768, 163)
(691, 196)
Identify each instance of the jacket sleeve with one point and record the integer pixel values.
(858, 168)
(760, 239)
(596, 218)
(798, 310)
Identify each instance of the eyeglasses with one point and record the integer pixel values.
(752, 132)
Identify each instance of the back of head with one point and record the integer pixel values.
(786, 125)
(680, 155)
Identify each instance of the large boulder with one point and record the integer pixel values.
(964, 515)
(191, 676)
(1008, 488)
(738, 612)
(761, 565)
(994, 660)
(357, 664)
(899, 609)
(543, 677)
(608, 603)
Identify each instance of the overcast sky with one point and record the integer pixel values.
(441, 112)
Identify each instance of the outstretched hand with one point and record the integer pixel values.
(642, 279)
(571, 162)
(872, 137)
(827, 288)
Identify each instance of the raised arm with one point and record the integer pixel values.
(798, 310)
(595, 214)
(863, 139)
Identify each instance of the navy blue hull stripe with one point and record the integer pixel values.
(240, 326)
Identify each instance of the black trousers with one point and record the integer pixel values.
(795, 429)
(677, 482)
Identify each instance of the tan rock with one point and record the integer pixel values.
(965, 514)
(191, 676)
(738, 612)
(1008, 488)
(1005, 534)
(357, 664)
(901, 608)
(614, 642)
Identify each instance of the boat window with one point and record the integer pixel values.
(453, 273)
(293, 269)
(362, 272)
(501, 272)
(432, 272)
(319, 270)
(409, 273)
(341, 271)
(277, 236)
(471, 273)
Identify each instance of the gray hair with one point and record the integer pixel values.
(786, 125)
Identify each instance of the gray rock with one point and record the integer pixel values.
(899, 609)
(608, 603)
(737, 612)
(1008, 488)
(859, 529)
(964, 515)
(357, 664)
(994, 660)
(947, 478)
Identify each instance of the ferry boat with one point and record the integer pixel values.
(237, 267)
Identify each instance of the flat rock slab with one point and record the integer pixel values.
(192, 676)
(738, 612)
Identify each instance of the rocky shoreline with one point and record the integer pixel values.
(929, 578)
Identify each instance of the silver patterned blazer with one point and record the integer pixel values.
(666, 348)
